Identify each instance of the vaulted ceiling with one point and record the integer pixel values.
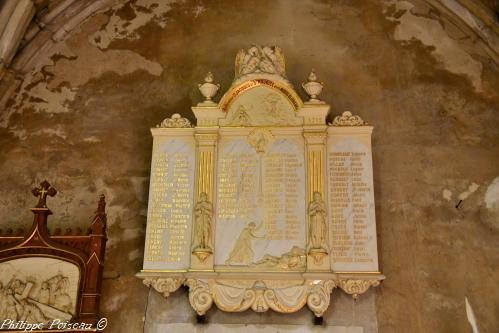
(28, 26)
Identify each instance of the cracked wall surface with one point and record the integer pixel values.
(81, 117)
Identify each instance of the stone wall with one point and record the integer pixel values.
(81, 117)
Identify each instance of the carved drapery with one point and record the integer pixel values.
(283, 296)
(261, 295)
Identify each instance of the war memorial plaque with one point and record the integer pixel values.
(262, 204)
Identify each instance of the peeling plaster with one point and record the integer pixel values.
(439, 301)
(58, 132)
(53, 89)
(92, 139)
(447, 194)
(117, 28)
(490, 213)
(133, 233)
(492, 195)
(471, 189)
(134, 255)
(114, 303)
(431, 33)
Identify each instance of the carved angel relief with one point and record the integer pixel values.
(258, 59)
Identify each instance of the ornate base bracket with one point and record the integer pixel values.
(165, 286)
(202, 253)
(241, 293)
(356, 287)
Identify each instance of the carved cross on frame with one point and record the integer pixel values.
(41, 192)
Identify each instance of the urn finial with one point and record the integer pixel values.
(208, 89)
(313, 88)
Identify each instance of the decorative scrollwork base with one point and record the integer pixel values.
(164, 286)
(281, 295)
(357, 287)
(319, 297)
(199, 296)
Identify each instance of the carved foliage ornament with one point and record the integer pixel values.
(357, 287)
(164, 286)
(176, 121)
(347, 119)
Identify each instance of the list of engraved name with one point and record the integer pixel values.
(349, 197)
(170, 208)
(241, 193)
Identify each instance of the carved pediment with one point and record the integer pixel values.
(261, 106)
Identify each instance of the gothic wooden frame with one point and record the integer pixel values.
(86, 251)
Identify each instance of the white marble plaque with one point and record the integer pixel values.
(283, 211)
(171, 197)
(260, 204)
(351, 204)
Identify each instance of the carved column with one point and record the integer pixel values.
(206, 134)
(315, 134)
(317, 251)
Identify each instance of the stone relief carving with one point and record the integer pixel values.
(317, 228)
(356, 287)
(36, 300)
(260, 59)
(240, 117)
(260, 138)
(203, 212)
(164, 286)
(242, 251)
(176, 121)
(294, 259)
(347, 119)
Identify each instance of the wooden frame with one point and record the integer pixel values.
(86, 251)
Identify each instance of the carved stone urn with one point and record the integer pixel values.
(208, 89)
(313, 88)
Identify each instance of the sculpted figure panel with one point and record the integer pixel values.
(204, 220)
(242, 252)
(261, 106)
(37, 290)
(318, 226)
(258, 59)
